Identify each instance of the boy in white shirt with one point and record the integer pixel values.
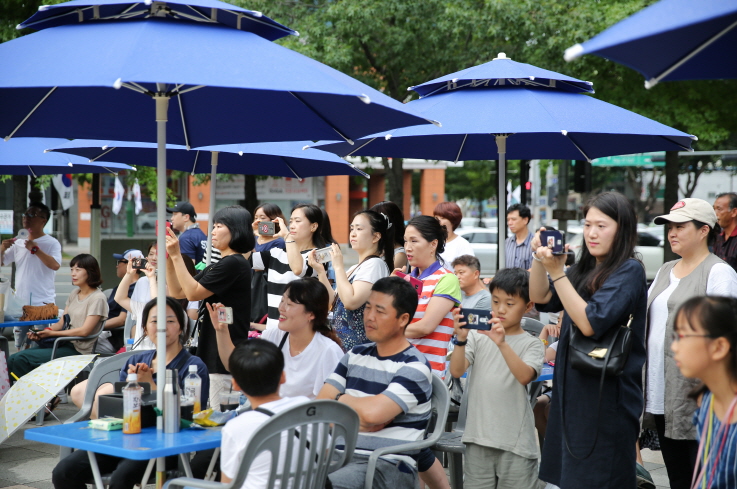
(501, 445)
(257, 367)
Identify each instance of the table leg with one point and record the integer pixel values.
(147, 473)
(95, 470)
(184, 457)
(211, 467)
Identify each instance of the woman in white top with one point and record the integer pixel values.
(372, 239)
(311, 348)
(698, 272)
(396, 225)
(143, 292)
(449, 215)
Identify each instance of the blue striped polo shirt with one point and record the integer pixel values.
(725, 476)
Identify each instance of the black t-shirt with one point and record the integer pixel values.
(115, 308)
(230, 282)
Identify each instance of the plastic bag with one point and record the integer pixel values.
(210, 417)
(13, 306)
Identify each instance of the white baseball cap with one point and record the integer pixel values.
(128, 254)
(686, 210)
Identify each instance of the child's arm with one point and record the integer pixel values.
(458, 361)
(521, 371)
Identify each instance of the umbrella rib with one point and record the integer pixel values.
(184, 124)
(565, 133)
(347, 139)
(366, 175)
(32, 172)
(58, 16)
(654, 81)
(7, 138)
(458, 156)
(196, 156)
(135, 87)
(290, 168)
(359, 148)
(241, 15)
(102, 154)
(190, 89)
(685, 148)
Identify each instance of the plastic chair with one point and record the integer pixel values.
(325, 421)
(532, 326)
(450, 442)
(440, 403)
(128, 326)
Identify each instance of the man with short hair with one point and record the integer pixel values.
(117, 315)
(517, 245)
(473, 293)
(37, 259)
(192, 240)
(389, 384)
(725, 246)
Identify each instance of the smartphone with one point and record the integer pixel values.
(413, 281)
(266, 228)
(225, 315)
(477, 319)
(323, 255)
(139, 263)
(168, 225)
(555, 241)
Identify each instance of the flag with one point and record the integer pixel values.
(119, 194)
(63, 185)
(137, 197)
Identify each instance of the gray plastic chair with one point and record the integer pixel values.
(532, 326)
(129, 323)
(440, 403)
(328, 423)
(450, 442)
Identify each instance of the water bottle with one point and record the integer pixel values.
(171, 402)
(129, 344)
(132, 405)
(193, 388)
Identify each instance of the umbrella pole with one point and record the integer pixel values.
(501, 175)
(211, 211)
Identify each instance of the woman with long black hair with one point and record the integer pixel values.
(591, 434)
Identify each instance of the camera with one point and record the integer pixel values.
(266, 228)
(225, 315)
(323, 255)
(139, 263)
(553, 240)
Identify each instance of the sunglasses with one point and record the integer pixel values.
(31, 216)
(124, 262)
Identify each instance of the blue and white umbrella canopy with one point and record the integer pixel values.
(672, 40)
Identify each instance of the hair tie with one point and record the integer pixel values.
(387, 220)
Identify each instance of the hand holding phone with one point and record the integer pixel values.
(323, 255)
(266, 228)
(477, 319)
(225, 315)
(415, 282)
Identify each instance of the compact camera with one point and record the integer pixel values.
(139, 263)
(266, 228)
(323, 255)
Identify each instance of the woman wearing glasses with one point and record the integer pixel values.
(698, 272)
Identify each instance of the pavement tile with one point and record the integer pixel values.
(28, 470)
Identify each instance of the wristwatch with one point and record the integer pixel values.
(34, 250)
(337, 396)
(458, 343)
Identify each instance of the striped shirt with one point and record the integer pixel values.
(436, 282)
(725, 475)
(278, 276)
(518, 255)
(404, 378)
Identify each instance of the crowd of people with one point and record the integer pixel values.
(372, 336)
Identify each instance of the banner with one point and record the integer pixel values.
(63, 184)
(118, 197)
(137, 197)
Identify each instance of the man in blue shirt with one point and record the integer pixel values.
(192, 240)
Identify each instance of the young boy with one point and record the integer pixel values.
(257, 367)
(501, 447)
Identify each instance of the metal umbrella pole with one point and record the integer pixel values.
(213, 187)
(501, 176)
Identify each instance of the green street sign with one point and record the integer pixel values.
(641, 159)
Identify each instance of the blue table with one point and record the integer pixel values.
(10, 324)
(546, 373)
(148, 445)
(536, 386)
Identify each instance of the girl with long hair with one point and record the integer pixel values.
(372, 239)
(591, 433)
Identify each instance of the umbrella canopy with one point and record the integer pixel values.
(205, 11)
(672, 40)
(35, 389)
(25, 156)
(518, 122)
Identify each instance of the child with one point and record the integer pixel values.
(257, 367)
(705, 347)
(501, 448)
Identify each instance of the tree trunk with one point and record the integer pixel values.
(394, 180)
(251, 200)
(670, 197)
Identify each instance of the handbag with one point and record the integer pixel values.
(259, 293)
(607, 355)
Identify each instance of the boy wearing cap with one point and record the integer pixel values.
(192, 240)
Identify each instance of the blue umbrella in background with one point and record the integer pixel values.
(493, 116)
(286, 159)
(672, 40)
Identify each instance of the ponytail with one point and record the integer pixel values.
(380, 224)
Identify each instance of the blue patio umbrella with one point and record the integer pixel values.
(672, 40)
(285, 159)
(25, 156)
(512, 118)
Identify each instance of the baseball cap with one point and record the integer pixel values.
(184, 208)
(686, 210)
(128, 254)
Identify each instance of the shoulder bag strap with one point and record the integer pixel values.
(335, 296)
(281, 344)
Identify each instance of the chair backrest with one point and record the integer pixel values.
(95, 333)
(463, 409)
(440, 402)
(105, 370)
(532, 326)
(321, 425)
(128, 326)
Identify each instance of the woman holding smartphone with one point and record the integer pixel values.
(591, 432)
(227, 281)
(307, 230)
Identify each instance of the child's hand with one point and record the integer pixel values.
(496, 333)
(458, 323)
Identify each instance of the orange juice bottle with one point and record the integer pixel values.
(132, 406)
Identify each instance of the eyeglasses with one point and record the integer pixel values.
(31, 216)
(124, 262)
(676, 336)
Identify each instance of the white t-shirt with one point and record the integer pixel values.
(306, 372)
(34, 282)
(139, 299)
(453, 249)
(722, 281)
(369, 271)
(237, 434)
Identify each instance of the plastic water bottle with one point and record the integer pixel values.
(193, 388)
(132, 405)
(129, 344)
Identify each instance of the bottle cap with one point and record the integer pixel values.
(23, 234)
(132, 378)
(193, 369)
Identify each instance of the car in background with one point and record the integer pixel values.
(476, 222)
(649, 246)
(146, 222)
(484, 244)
